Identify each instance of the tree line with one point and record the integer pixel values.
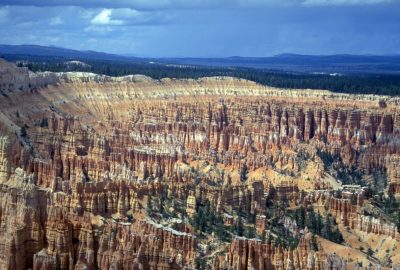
(381, 84)
(315, 223)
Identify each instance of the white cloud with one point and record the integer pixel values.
(343, 2)
(104, 18)
(127, 16)
(56, 21)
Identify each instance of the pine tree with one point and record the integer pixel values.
(311, 221)
(44, 122)
(220, 231)
(239, 226)
(250, 232)
(161, 204)
(301, 217)
(243, 172)
(200, 263)
(23, 131)
(149, 203)
(302, 196)
(314, 243)
(203, 223)
(327, 228)
(58, 262)
(398, 221)
(262, 237)
(319, 224)
(337, 236)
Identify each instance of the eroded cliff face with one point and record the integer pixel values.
(251, 254)
(112, 173)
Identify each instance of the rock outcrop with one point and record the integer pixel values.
(252, 254)
(85, 158)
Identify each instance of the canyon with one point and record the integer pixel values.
(100, 172)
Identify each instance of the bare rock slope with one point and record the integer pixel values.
(99, 172)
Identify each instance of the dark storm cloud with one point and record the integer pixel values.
(205, 28)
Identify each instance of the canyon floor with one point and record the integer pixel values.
(101, 172)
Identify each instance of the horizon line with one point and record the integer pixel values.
(198, 57)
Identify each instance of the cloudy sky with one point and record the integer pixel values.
(203, 28)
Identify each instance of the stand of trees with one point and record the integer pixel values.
(323, 226)
(390, 206)
(206, 220)
(355, 83)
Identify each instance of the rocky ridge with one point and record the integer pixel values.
(81, 156)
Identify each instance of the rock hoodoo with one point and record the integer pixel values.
(134, 173)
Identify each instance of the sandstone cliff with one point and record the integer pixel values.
(82, 156)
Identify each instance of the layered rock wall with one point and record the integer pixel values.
(81, 154)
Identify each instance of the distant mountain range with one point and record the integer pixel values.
(343, 64)
(52, 51)
(305, 63)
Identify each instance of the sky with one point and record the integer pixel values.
(205, 28)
